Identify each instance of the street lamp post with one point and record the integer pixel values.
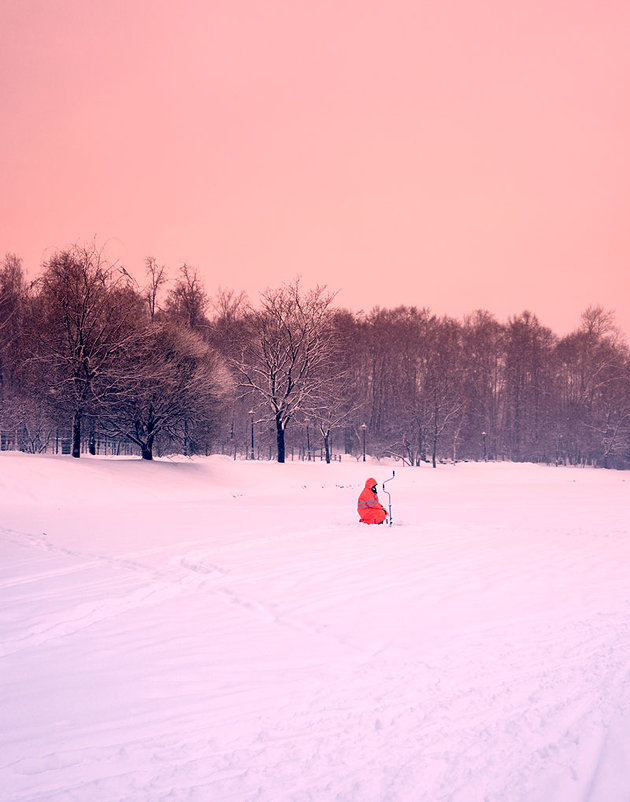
(363, 429)
(485, 450)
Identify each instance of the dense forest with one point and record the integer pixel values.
(94, 361)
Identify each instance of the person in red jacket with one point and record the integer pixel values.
(370, 510)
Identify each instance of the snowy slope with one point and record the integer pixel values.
(220, 630)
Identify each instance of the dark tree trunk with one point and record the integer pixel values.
(422, 452)
(92, 443)
(147, 448)
(327, 446)
(76, 435)
(280, 439)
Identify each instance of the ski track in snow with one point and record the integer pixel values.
(205, 646)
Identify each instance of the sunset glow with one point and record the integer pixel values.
(453, 155)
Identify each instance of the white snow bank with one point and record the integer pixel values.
(216, 630)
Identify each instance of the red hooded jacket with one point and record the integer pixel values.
(370, 510)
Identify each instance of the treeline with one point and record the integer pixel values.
(90, 356)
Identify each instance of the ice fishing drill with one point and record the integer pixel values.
(389, 496)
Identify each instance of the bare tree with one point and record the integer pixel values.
(528, 387)
(334, 401)
(285, 358)
(86, 343)
(13, 298)
(442, 383)
(229, 324)
(593, 392)
(157, 278)
(228, 305)
(483, 344)
(187, 302)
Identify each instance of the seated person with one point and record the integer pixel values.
(369, 509)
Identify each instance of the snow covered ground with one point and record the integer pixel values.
(217, 630)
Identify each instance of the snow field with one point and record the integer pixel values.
(220, 630)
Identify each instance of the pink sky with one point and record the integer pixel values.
(456, 155)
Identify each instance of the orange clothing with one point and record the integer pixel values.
(370, 510)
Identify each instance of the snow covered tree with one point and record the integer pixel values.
(85, 314)
(167, 382)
